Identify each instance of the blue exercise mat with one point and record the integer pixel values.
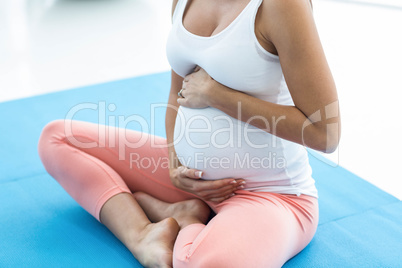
(42, 226)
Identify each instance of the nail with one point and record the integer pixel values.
(232, 195)
(198, 174)
(240, 187)
(233, 182)
(242, 183)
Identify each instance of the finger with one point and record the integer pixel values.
(218, 194)
(224, 191)
(183, 93)
(231, 182)
(228, 189)
(206, 188)
(180, 93)
(182, 101)
(217, 184)
(241, 184)
(191, 173)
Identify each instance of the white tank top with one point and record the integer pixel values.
(218, 144)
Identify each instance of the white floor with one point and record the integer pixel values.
(51, 45)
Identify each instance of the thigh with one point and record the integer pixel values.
(139, 158)
(253, 230)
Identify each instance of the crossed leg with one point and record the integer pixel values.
(100, 167)
(251, 229)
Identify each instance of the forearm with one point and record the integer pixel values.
(286, 122)
(170, 118)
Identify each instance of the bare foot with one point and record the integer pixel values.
(184, 212)
(154, 246)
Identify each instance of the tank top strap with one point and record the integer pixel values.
(179, 10)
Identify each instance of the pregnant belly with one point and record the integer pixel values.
(224, 147)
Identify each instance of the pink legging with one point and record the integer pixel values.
(251, 229)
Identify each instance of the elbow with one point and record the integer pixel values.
(325, 134)
(331, 146)
(328, 140)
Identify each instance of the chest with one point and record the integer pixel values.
(208, 17)
(229, 52)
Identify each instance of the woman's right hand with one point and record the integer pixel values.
(190, 180)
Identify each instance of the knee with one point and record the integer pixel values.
(204, 246)
(52, 132)
(208, 258)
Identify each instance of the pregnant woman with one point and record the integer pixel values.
(250, 88)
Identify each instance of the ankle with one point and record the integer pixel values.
(153, 247)
(135, 237)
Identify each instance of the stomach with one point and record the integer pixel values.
(223, 147)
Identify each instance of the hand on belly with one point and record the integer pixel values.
(190, 180)
(224, 147)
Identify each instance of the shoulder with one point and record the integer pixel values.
(278, 16)
(274, 6)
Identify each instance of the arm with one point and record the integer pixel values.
(170, 118)
(182, 177)
(290, 27)
(185, 178)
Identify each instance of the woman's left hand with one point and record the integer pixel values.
(197, 89)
